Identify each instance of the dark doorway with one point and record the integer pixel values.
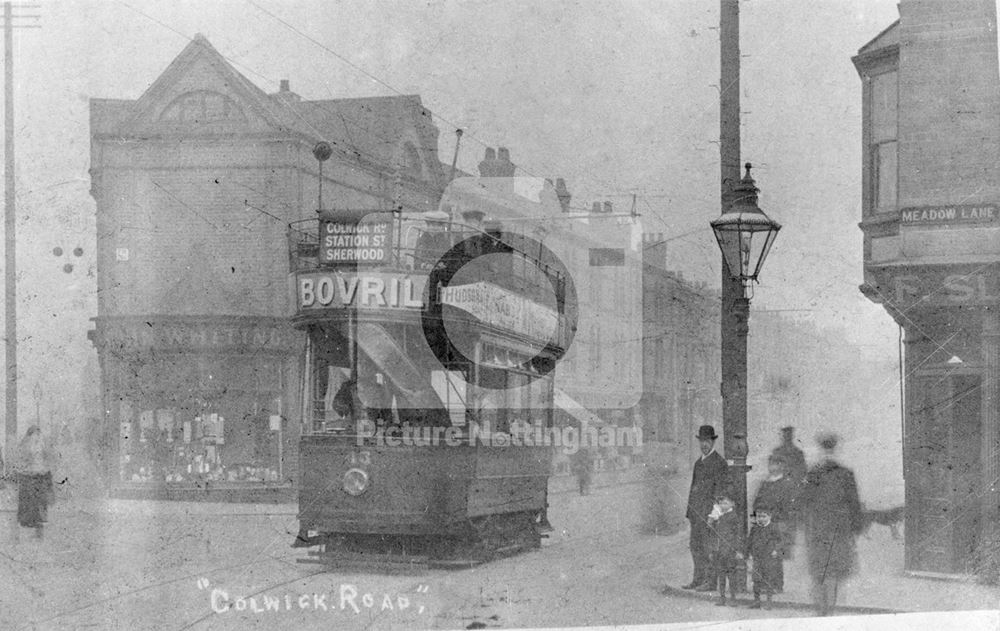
(943, 472)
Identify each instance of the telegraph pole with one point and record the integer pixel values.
(735, 306)
(10, 217)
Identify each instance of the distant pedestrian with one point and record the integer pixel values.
(832, 516)
(765, 549)
(795, 460)
(709, 476)
(777, 494)
(34, 482)
(726, 544)
(582, 464)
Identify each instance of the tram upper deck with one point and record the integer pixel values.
(382, 262)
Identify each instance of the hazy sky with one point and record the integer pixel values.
(617, 97)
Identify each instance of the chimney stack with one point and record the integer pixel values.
(563, 194)
(284, 93)
(497, 163)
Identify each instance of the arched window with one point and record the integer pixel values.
(202, 106)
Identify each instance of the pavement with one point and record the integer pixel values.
(878, 586)
(127, 564)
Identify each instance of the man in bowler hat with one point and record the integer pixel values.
(709, 478)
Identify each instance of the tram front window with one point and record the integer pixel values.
(387, 385)
(331, 371)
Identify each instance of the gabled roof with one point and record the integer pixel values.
(370, 129)
(885, 39)
(198, 51)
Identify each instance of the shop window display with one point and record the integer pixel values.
(219, 423)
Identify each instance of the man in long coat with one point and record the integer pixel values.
(709, 477)
(832, 516)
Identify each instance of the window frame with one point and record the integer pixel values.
(874, 146)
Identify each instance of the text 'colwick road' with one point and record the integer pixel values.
(348, 598)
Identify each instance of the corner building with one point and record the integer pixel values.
(195, 183)
(931, 224)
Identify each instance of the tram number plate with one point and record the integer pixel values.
(360, 458)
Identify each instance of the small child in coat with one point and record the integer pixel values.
(765, 546)
(725, 545)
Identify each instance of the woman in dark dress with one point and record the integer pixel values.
(34, 482)
(777, 495)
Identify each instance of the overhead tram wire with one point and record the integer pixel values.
(398, 92)
(381, 136)
(319, 134)
(374, 159)
(345, 119)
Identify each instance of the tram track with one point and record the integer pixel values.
(290, 560)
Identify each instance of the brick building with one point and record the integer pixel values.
(680, 339)
(931, 201)
(195, 183)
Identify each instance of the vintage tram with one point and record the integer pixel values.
(428, 372)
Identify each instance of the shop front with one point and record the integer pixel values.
(951, 443)
(198, 407)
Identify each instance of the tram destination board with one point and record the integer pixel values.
(353, 238)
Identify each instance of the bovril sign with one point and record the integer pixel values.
(333, 290)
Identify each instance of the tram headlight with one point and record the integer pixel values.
(355, 482)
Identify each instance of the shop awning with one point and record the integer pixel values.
(569, 405)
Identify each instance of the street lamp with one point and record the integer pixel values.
(745, 235)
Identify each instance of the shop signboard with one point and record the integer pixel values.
(502, 309)
(193, 334)
(946, 288)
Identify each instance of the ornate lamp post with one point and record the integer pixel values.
(745, 235)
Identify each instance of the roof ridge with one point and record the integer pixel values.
(199, 46)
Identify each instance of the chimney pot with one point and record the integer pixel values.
(596, 208)
(607, 207)
(491, 153)
(503, 154)
(284, 86)
(563, 194)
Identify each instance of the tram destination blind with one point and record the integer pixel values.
(355, 242)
